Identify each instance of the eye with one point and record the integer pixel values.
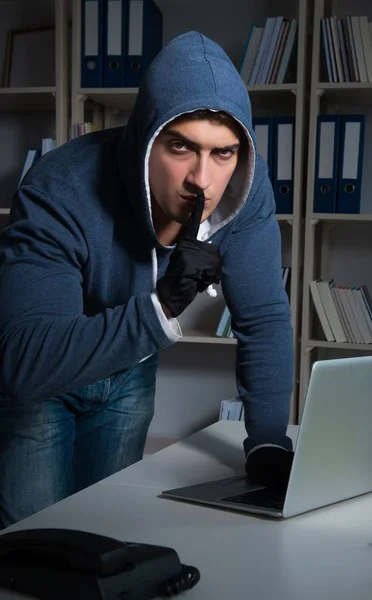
(178, 145)
(226, 154)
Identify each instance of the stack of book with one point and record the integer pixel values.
(231, 410)
(345, 313)
(268, 52)
(83, 128)
(347, 44)
(33, 154)
(224, 325)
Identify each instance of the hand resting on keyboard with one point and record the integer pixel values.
(269, 466)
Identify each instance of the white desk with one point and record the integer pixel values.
(322, 555)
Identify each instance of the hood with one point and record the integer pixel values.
(190, 73)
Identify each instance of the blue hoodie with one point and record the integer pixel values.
(80, 258)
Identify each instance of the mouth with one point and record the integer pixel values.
(192, 198)
(189, 198)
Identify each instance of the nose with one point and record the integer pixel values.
(198, 175)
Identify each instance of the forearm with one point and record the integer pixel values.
(264, 371)
(261, 319)
(44, 357)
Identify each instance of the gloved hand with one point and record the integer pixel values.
(193, 266)
(270, 466)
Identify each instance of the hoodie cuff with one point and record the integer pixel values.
(171, 327)
(265, 446)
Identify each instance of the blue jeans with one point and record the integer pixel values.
(59, 446)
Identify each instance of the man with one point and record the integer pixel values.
(100, 258)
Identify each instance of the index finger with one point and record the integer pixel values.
(192, 227)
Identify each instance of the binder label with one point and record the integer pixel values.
(285, 150)
(262, 138)
(114, 24)
(351, 150)
(326, 150)
(91, 28)
(135, 42)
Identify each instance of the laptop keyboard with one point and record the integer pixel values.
(265, 498)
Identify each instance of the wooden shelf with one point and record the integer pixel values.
(200, 337)
(26, 99)
(339, 345)
(272, 87)
(342, 217)
(284, 218)
(354, 92)
(117, 98)
(263, 96)
(124, 98)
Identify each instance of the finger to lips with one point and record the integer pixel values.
(193, 225)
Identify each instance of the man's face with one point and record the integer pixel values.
(187, 156)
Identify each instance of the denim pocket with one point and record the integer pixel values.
(96, 392)
(89, 396)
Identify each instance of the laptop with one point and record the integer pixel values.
(333, 455)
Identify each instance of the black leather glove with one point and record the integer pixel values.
(270, 466)
(193, 266)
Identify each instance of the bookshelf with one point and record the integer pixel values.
(336, 245)
(109, 107)
(29, 113)
(124, 99)
(354, 92)
(26, 99)
(330, 217)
